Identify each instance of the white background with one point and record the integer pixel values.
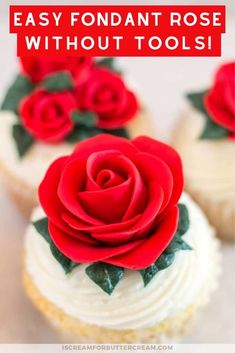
(161, 84)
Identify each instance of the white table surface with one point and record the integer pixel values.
(161, 85)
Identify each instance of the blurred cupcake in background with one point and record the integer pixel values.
(51, 105)
(117, 252)
(205, 139)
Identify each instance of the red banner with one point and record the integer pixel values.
(118, 30)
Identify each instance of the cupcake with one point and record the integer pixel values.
(53, 104)
(117, 252)
(205, 140)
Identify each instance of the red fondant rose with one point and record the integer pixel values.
(105, 93)
(47, 115)
(220, 100)
(38, 68)
(113, 200)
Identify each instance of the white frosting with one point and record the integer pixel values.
(209, 165)
(32, 167)
(131, 306)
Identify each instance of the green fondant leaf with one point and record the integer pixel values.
(81, 133)
(164, 261)
(64, 261)
(109, 63)
(41, 227)
(22, 139)
(197, 100)
(212, 131)
(185, 246)
(105, 276)
(149, 273)
(84, 118)
(183, 224)
(60, 81)
(177, 243)
(121, 132)
(21, 87)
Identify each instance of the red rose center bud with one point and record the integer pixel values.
(106, 178)
(47, 116)
(105, 94)
(114, 200)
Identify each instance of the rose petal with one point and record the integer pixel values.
(139, 195)
(107, 205)
(154, 169)
(118, 119)
(102, 230)
(79, 251)
(150, 249)
(103, 142)
(99, 162)
(87, 205)
(47, 191)
(101, 80)
(219, 101)
(168, 155)
(50, 202)
(133, 227)
(144, 222)
(218, 111)
(108, 179)
(159, 180)
(225, 83)
(73, 178)
(46, 115)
